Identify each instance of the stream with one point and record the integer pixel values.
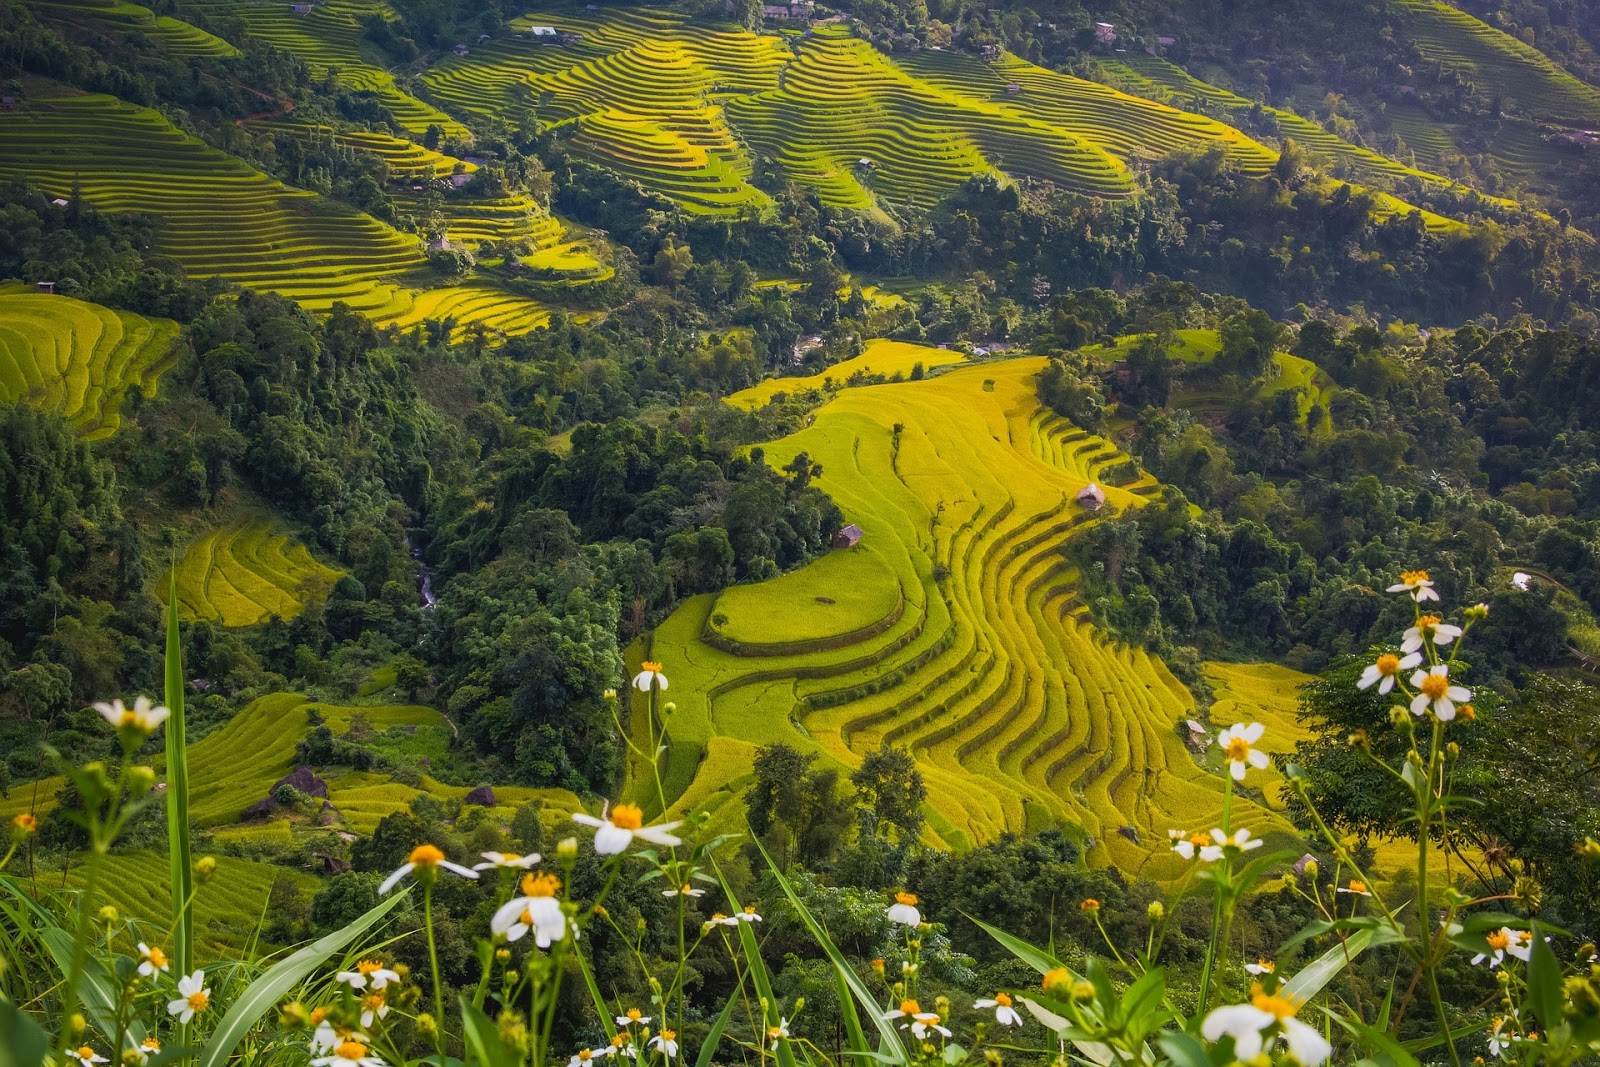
(424, 579)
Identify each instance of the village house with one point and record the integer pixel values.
(1013, 89)
(849, 537)
(46, 287)
(461, 50)
(300, 9)
(60, 201)
(1105, 32)
(1091, 497)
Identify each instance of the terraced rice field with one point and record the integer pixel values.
(227, 909)
(245, 574)
(1019, 713)
(219, 215)
(172, 37)
(78, 359)
(1264, 693)
(1497, 63)
(330, 38)
(406, 159)
(878, 357)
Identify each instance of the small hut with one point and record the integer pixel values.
(1091, 497)
(849, 537)
(46, 287)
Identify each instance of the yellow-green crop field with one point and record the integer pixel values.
(227, 908)
(172, 36)
(1020, 715)
(78, 359)
(246, 573)
(887, 358)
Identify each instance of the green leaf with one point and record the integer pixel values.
(708, 1048)
(97, 990)
(1038, 959)
(266, 991)
(482, 1039)
(784, 1053)
(1385, 1050)
(601, 1008)
(22, 1042)
(1184, 1050)
(1544, 981)
(180, 867)
(1320, 971)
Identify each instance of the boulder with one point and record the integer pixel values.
(304, 779)
(483, 797)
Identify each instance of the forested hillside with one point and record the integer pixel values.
(1014, 430)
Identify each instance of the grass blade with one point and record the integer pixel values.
(708, 1048)
(180, 866)
(265, 992)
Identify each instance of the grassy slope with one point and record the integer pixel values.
(174, 37)
(78, 359)
(1019, 713)
(246, 573)
(878, 357)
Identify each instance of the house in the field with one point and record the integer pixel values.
(8, 102)
(1013, 89)
(1091, 497)
(866, 164)
(46, 287)
(458, 181)
(300, 9)
(776, 11)
(1198, 738)
(440, 244)
(461, 50)
(60, 201)
(538, 33)
(1105, 32)
(849, 537)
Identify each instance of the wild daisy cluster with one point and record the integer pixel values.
(1430, 691)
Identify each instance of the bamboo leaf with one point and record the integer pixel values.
(708, 1048)
(97, 992)
(180, 867)
(266, 991)
(1320, 971)
(1544, 982)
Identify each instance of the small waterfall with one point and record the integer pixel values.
(424, 579)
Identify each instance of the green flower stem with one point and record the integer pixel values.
(433, 963)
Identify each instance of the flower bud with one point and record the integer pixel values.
(609, 694)
(1467, 712)
(427, 1025)
(23, 825)
(1156, 911)
(109, 914)
(1090, 907)
(400, 968)
(1083, 992)
(1311, 868)
(1359, 739)
(512, 975)
(141, 780)
(799, 1003)
(204, 868)
(513, 1030)
(292, 1016)
(132, 1057)
(668, 708)
(1453, 750)
(1057, 980)
(502, 956)
(1398, 715)
(993, 1058)
(567, 851)
(1476, 613)
(77, 1025)
(877, 966)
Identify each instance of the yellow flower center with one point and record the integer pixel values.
(669, 1035)
(426, 856)
(540, 885)
(157, 958)
(774, 1032)
(1199, 839)
(1089, 904)
(1435, 686)
(85, 1052)
(749, 909)
(350, 1050)
(634, 1015)
(318, 1014)
(909, 899)
(627, 816)
(1467, 711)
(526, 918)
(1413, 577)
(1428, 622)
(130, 718)
(509, 857)
(1057, 979)
(1267, 965)
(198, 1000)
(1357, 887)
(1499, 940)
(1388, 663)
(585, 1055)
(369, 966)
(650, 666)
(1238, 749)
(373, 1001)
(910, 1007)
(25, 822)
(1002, 1000)
(1277, 1006)
(151, 1044)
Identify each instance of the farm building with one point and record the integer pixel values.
(1091, 497)
(8, 102)
(300, 9)
(865, 164)
(47, 287)
(775, 11)
(849, 537)
(458, 181)
(1013, 89)
(440, 244)
(60, 201)
(461, 50)
(1105, 32)
(543, 31)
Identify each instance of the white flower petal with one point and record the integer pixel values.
(610, 840)
(1305, 1043)
(389, 882)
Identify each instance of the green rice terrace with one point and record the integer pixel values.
(78, 359)
(951, 628)
(246, 573)
(120, 20)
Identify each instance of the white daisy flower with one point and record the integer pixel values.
(615, 832)
(1240, 839)
(1004, 1013)
(748, 915)
(585, 1057)
(1500, 1037)
(1428, 628)
(1356, 888)
(87, 1056)
(425, 861)
(1383, 673)
(904, 910)
(1417, 584)
(1250, 1025)
(151, 960)
(666, 1042)
(325, 1038)
(1261, 967)
(1236, 742)
(193, 998)
(1435, 691)
(720, 919)
(685, 890)
(368, 971)
(373, 1007)
(649, 676)
(634, 1016)
(143, 717)
(348, 1054)
(778, 1033)
(1185, 844)
(1521, 944)
(507, 860)
(537, 910)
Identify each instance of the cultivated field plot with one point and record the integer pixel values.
(1019, 713)
(246, 573)
(1495, 62)
(405, 159)
(888, 358)
(227, 909)
(172, 37)
(219, 216)
(329, 37)
(78, 359)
